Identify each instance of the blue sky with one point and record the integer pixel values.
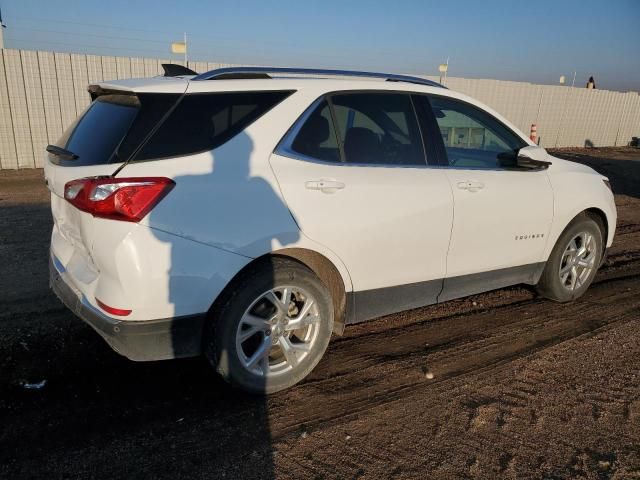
(533, 40)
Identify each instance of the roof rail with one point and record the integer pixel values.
(232, 73)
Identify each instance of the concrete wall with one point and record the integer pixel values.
(41, 93)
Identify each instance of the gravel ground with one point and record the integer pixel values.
(499, 385)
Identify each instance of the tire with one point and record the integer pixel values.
(253, 308)
(557, 285)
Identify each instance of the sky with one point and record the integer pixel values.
(532, 40)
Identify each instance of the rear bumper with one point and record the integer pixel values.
(138, 340)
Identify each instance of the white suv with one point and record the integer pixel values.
(248, 213)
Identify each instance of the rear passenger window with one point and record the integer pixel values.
(202, 122)
(378, 128)
(317, 137)
(369, 128)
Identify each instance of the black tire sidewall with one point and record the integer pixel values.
(220, 342)
(550, 284)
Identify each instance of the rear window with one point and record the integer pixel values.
(202, 122)
(154, 106)
(96, 134)
(114, 127)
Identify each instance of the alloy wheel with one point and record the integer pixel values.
(578, 261)
(278, 331)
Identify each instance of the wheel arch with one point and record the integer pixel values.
(319, 264)
(601, 218)
(595, 213)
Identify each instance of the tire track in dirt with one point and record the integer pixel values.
(383, 378)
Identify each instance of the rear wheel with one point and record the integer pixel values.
(573, 262)
(273, 327)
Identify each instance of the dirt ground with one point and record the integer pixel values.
(521, 388)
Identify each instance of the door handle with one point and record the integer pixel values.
(471, 185)
(324, 185)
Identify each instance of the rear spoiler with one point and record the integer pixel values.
(125, 87)
(176, 70)
(96, 91)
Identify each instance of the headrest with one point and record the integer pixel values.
(361, 145)
(315, 131)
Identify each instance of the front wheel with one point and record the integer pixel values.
(573, 262)
(273, 327)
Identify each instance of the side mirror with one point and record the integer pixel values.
(532, 157)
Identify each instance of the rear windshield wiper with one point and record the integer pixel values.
(61, 152)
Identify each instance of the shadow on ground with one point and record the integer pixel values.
(100, 415)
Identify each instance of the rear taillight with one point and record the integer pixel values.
(128, 199)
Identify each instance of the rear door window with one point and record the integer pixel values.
(317, 136)
(202, 122)
(362, 128)
(378, 128)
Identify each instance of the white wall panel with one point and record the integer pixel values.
(137, 68)
(630, 126)
(8, 155)
(80, 81)
(123, 67)
(66, 89)
(94, 68)
(19, 112)
(150, 67)
(50, 96)
(109, 69)
(41, 93)
(35, 105)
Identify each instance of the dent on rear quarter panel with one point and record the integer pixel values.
(166, 275)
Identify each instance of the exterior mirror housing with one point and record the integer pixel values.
(533, 157)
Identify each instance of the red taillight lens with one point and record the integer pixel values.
(128, 199)
(113, 311)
